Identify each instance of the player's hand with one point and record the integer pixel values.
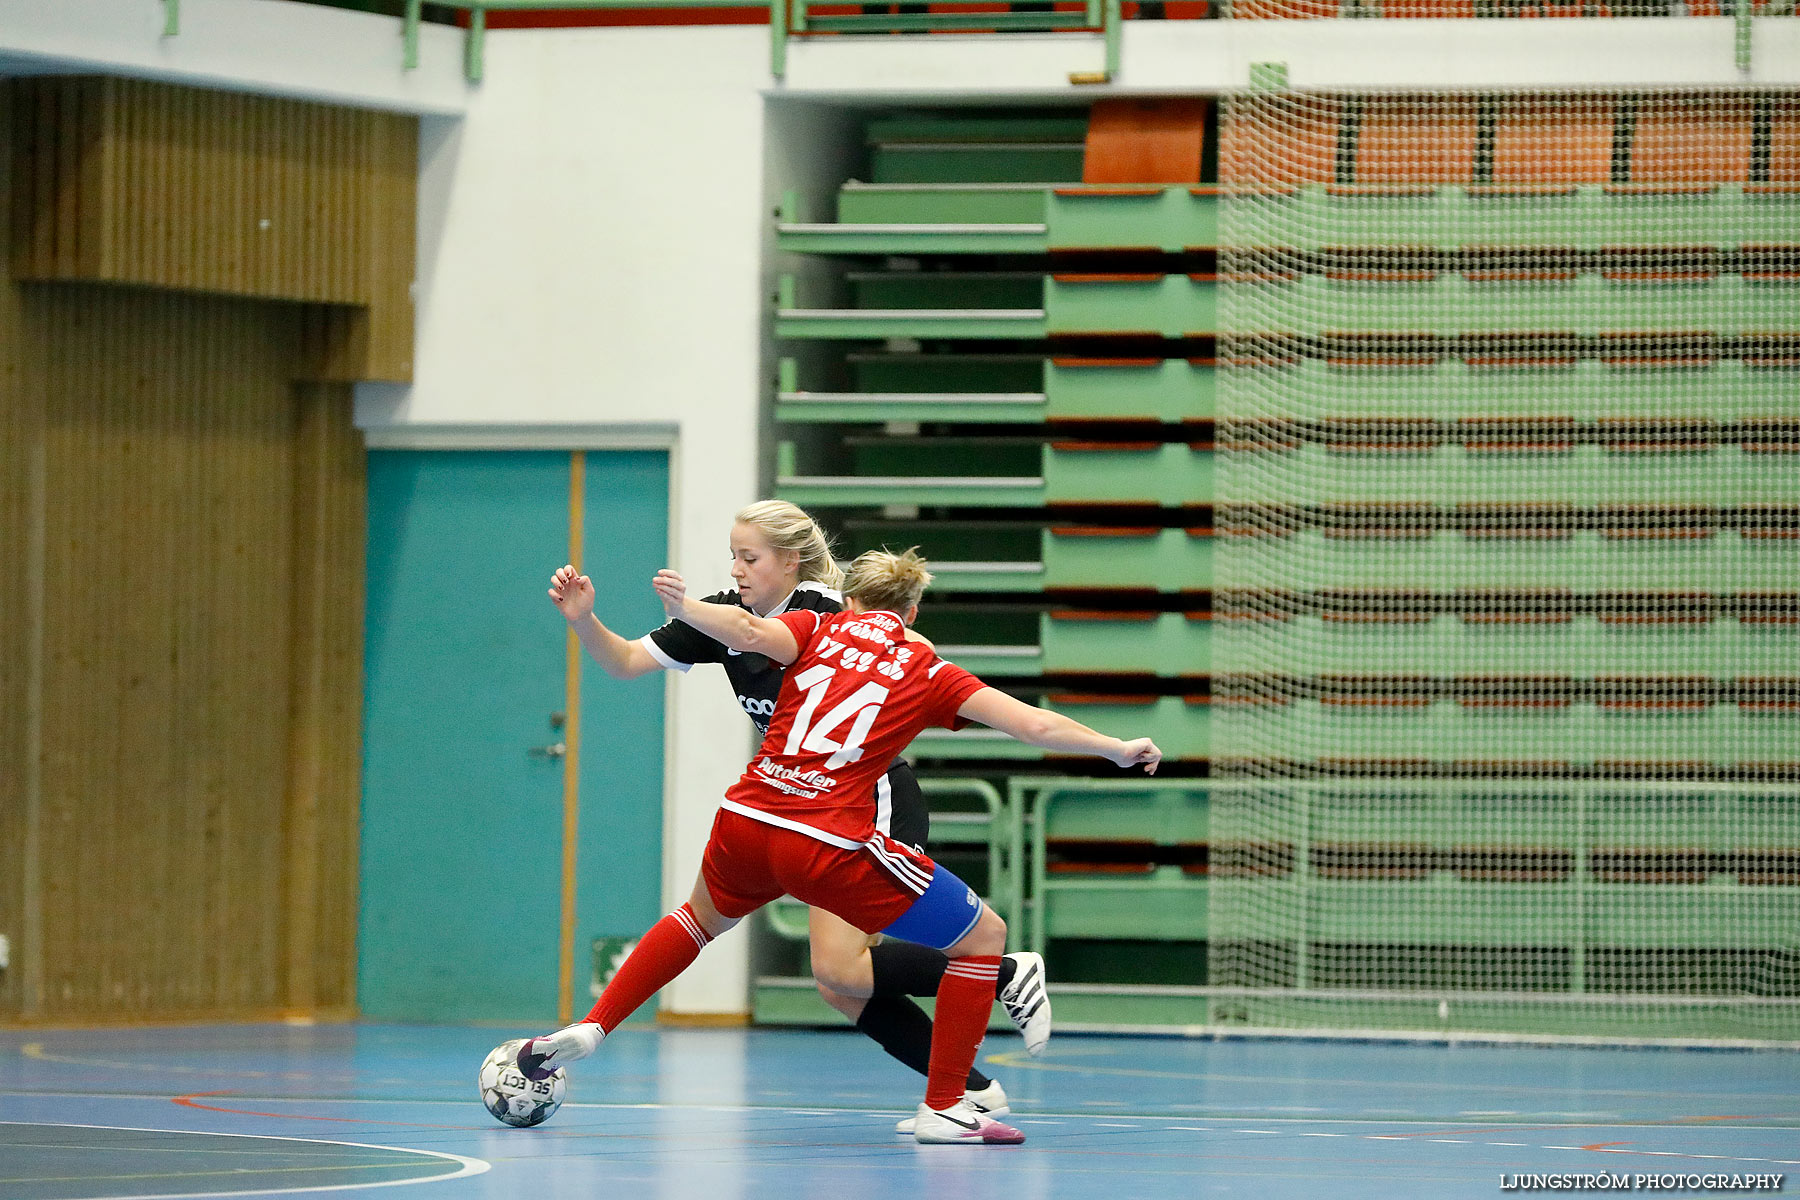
(1139, 751)
(572, 594)
(671, 589)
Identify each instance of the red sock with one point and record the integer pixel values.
(965, 1000)
(660, 955)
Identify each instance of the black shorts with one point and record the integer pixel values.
(909, 822)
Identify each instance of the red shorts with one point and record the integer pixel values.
(748, 863)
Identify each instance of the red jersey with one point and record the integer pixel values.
(856, 696)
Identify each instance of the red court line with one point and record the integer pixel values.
(188, 1101)
(1670, 1123)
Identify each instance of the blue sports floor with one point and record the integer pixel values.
(719, 1115)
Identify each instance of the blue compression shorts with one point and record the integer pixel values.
(942, 916)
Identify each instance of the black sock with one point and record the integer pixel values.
(906, 968)
(902, 1029)
(909, 969)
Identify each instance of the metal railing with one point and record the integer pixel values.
(474, 45)
(791, 18)
(800, 18)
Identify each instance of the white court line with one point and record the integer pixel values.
(470, 1166)
(675, 1106)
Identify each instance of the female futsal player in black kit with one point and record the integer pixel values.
(781, 561)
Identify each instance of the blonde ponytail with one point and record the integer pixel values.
(881, 579)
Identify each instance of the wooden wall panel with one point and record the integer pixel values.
(393, 193)
(375, 340)
(181, 581)
(325, 789)
(19, 602)
(130, 181)
(169, 461)
(56, 168)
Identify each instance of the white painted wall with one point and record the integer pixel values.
(594, 234)
(591, 243)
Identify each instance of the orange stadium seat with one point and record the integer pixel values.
(1417, 140)
(1565, 8)
(1144, 141)
(1428, 8)
(1693, 140)
(1553, 141)
(1281, 142)
(1284, 9)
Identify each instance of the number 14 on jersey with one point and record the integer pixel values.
(860, 710)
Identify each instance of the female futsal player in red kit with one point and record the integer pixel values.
(801, 819)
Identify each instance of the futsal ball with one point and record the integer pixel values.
(510, 1096)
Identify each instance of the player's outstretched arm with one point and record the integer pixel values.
(1052, 731)
(573, 595)
(737, 628)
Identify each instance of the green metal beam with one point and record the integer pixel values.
(1021, 408)
(827, 238)
(1113, 22)
(778, 38)
(833, 491)
(475, 43)
(875, 324)
(409, 34)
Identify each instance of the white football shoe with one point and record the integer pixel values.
(538, 1057)
(1027, 1001)
(961, 1125)
(990, 1101)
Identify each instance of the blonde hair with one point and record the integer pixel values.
(881, 579)
(790, 529)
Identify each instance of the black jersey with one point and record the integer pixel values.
(755, 679)
(900, 805)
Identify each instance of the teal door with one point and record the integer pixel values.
(469, 780)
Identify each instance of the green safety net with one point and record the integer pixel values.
(1506, 651)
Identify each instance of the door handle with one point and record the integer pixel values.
(553, 750)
